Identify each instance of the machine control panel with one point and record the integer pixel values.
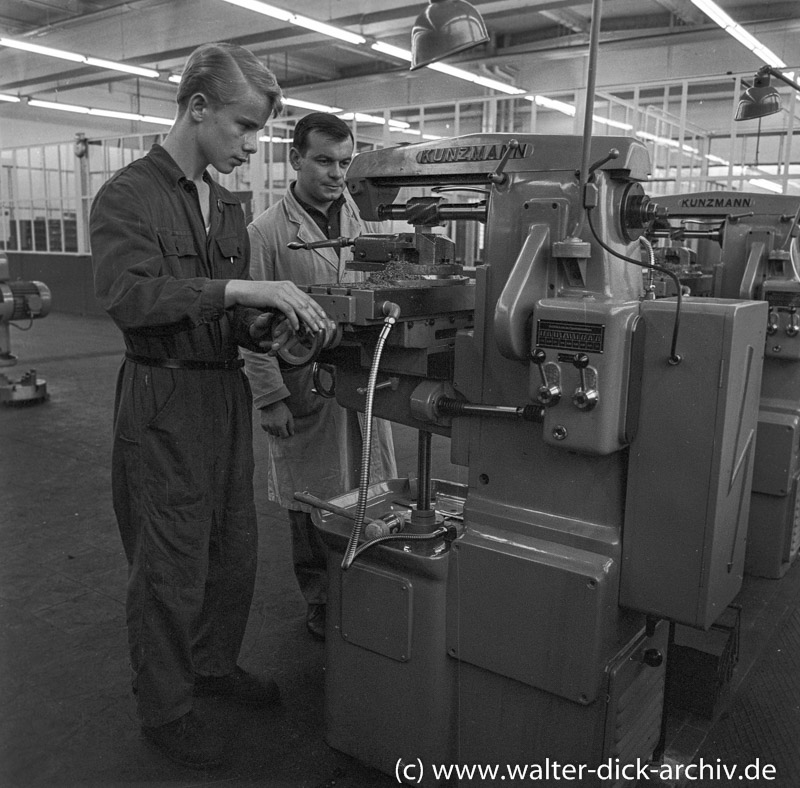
(582, 352)
(783, 322)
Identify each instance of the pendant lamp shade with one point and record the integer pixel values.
(444, 28)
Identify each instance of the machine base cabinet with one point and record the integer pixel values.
(399, 696)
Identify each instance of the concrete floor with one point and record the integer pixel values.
(68, 718)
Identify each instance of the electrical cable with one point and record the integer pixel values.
(674, 357)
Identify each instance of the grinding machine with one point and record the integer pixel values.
(522, 617)
(746, 246)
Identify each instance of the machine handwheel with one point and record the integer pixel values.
(301, 347)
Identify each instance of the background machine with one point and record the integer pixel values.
(746, 245)
(19, 300)
(521, 617)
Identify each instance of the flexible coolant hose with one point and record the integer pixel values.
(392, 312)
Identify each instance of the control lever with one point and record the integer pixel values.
(584, 398)
(548, 394)
(793, 328)
(499, 177)
(612, 154)
(331, 243)
(772, 322)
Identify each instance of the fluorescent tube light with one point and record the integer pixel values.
(615, 124)
(299, 20)
(559, 106)
(646, 135)
(717, 15)
(770, 186)
(393, 51)
(40, 50)
(327, 30)
(362, 117)
(105, 113)
(7, 97)
(159, 121)
(76, 58)
(58, 105)
(138, 70)
(444, 68)
(263, 8)
(300, 104)
(478, 80)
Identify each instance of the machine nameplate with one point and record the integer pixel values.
(471, 153)
(716, 202)
(786, 298)
(568, 335)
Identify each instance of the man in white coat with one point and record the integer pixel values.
(314, 443)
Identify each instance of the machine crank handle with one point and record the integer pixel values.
(391, 383)
(332, 243)
(318, 503)
(389, 523)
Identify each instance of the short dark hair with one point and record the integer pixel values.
(323, 122)
(222, 72)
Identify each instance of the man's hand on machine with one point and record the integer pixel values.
(284, 296)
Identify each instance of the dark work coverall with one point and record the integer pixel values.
(182, 463)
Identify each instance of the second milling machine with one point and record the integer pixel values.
(522, 618)
(745, 245)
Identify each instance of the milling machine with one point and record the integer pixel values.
(747, 245)
(522, 618)
(19, 300)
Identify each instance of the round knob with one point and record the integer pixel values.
(585, 399)
(538, 356)
(580, 360)
(652, 657)
(548, 395)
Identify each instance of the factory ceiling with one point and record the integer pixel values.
(158, 34)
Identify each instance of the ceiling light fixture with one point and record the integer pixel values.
(733, 28)
(763, 183)
(388, 49)
(569, 109)
(311, 105)
(8, 97)
(493, 84)
(77, 58)
(444, 28)
(103, 113)
(301, 21)
(762, 99)
(362, 117)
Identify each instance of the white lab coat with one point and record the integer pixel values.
(323, 456)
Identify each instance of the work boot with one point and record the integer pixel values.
(187, 741)
(239, 686)
(315, 621)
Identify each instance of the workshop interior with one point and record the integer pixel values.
(585, 298)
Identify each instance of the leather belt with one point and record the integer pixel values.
(180, 363)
